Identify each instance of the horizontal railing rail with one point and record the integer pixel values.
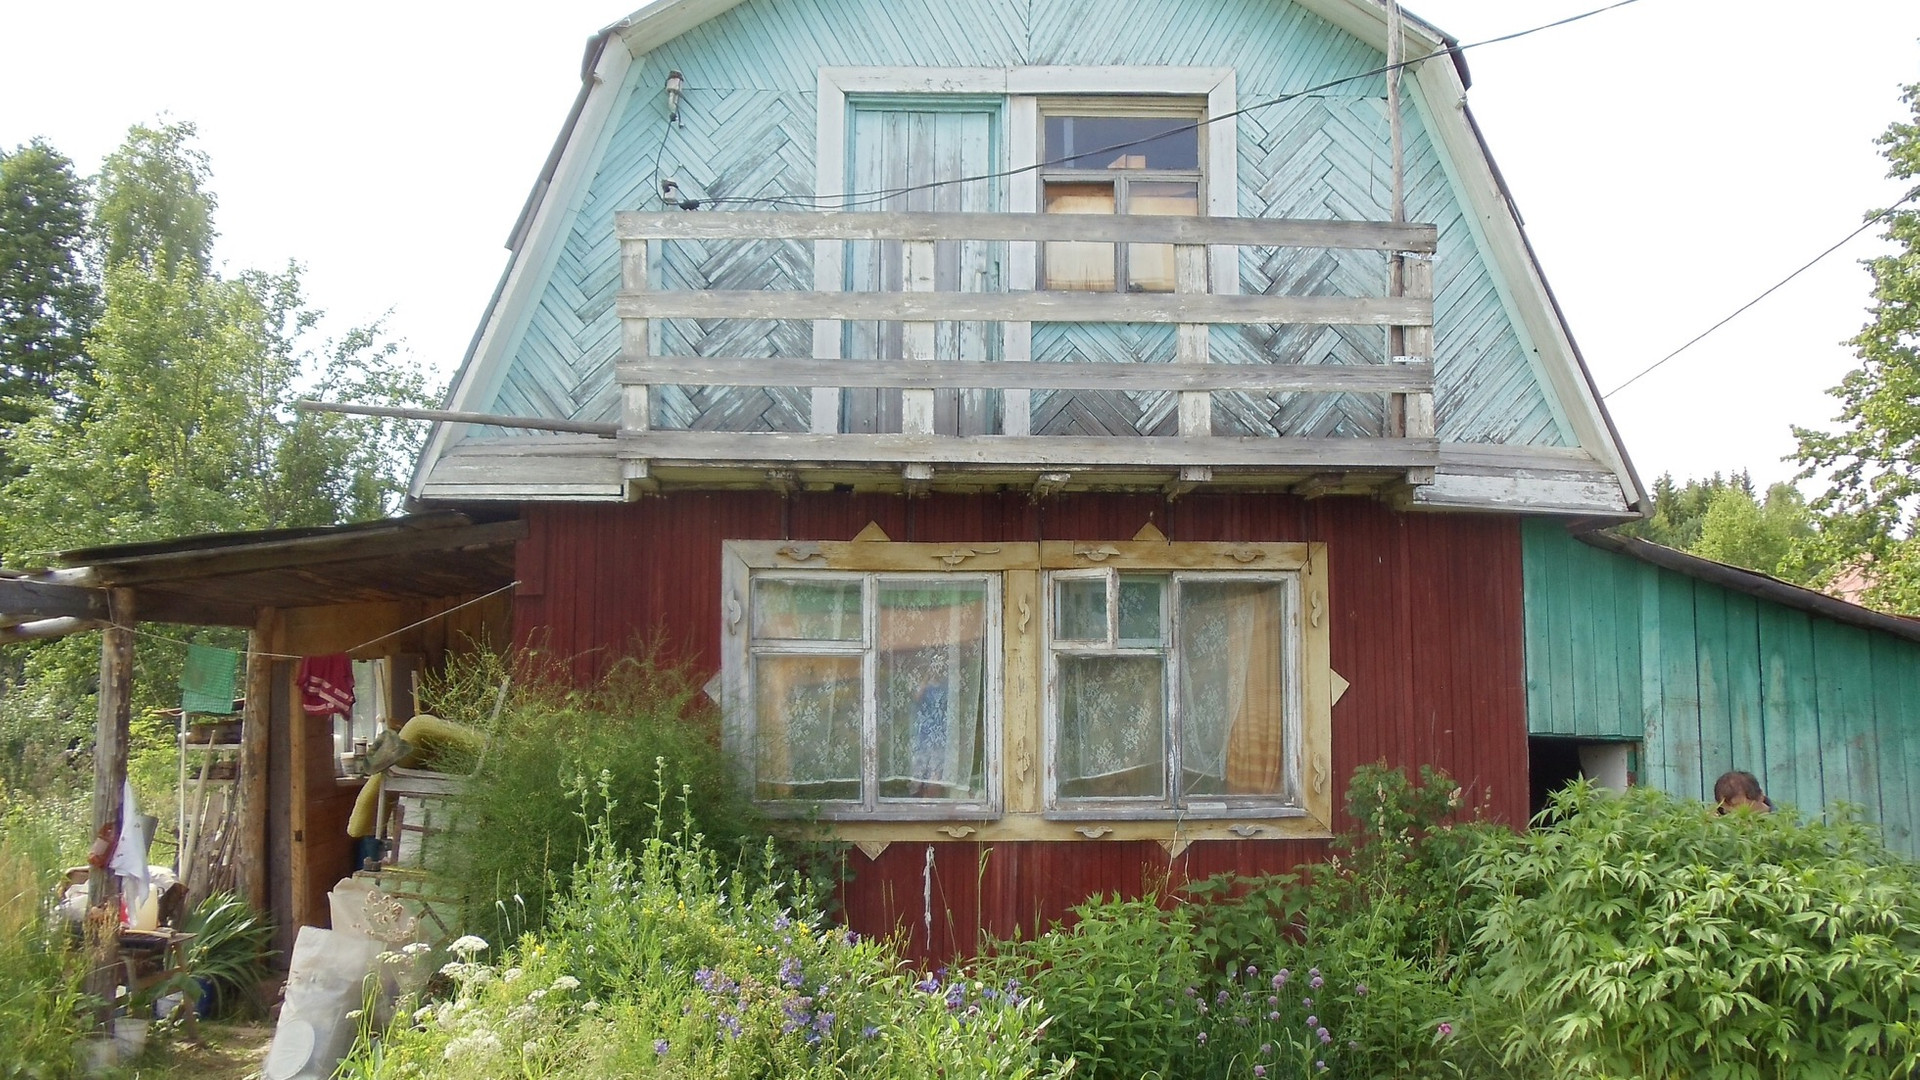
(1400, 378)
(1084, 228)
(1404, 312)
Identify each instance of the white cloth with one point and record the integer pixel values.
(129, 862)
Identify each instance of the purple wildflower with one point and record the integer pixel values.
(1316, 982)
(1191, 992)
(781, 922)
(1313, 972)
(869, 1031)
(1275, 1015)
(1313, 1021)
(1306, 1003)
(1252, 970)
(1266, 1048)
(1220, 998)
(790, 973)
(1280, 978)
(1202, 1040)
(1259, 1070)
(1324, 1037)
(660, 1047)
(1320, 1065)
(1360, 989)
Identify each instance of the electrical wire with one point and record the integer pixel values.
(854, 199)
(1771, 289)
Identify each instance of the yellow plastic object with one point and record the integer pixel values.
(366, 808)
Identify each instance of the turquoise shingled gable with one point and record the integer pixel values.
(749, 130)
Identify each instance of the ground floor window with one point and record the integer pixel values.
(1137, 690)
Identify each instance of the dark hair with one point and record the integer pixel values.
(1737, 785)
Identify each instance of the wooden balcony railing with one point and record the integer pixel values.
(1404, 374)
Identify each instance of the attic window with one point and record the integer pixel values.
(1101, 157)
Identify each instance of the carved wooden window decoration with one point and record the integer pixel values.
(1067, 690)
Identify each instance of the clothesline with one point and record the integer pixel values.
(252, 653)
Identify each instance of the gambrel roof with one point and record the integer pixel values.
(1522, 425)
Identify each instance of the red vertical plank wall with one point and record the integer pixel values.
(1427, 629)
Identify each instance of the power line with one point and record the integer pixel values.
(850, 200)
(1775, 287)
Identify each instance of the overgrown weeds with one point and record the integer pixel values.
(656, 961)
(522, 835)
(41, 1022)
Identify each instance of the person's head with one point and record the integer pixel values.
(1737, 789)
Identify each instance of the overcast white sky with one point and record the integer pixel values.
(1672, 158)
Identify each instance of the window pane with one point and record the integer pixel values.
(1095, 142)
(1150, 267)
(1080, 609)
(1111, 738)
(932, 673)
(1232, 705)
(807, 713)
(1140, 611)
(807, 610)
(1072, 264)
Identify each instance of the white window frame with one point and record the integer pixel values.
(871, 806)
(1023, 88)
(1172, 804)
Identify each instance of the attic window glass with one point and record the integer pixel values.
(1099, 158)
(1173, 693)
(871, 692)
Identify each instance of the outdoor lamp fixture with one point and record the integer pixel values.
(675, 84)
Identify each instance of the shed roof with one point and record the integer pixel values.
(222, 579)
(1753, 583)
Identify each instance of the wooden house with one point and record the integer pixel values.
(1075, 435)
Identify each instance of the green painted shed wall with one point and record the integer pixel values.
(1711, 679)
(749, 131)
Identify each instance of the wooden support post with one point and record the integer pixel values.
(109, 781)
(1190, 276)
(250, 856)
(636, 399)
(916, 339)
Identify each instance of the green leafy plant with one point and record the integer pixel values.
(1640, 935)
(230, 950)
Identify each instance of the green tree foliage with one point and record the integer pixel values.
(1872, 462)
(1774, 536)
(180, 420)
(1680, 512)
(47, 302)
(154, 207)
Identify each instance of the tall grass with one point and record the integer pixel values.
(40, 967)
(521, 833)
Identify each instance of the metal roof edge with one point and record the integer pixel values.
(1753, 583)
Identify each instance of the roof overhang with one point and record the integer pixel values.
(224, 579)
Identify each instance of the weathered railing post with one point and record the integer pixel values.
(636, 399)
(1410, 414)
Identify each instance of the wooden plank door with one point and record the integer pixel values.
(923, 154)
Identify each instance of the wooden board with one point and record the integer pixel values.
(833, 225)
(1058, 307)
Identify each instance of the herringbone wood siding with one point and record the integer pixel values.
(749, 131)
